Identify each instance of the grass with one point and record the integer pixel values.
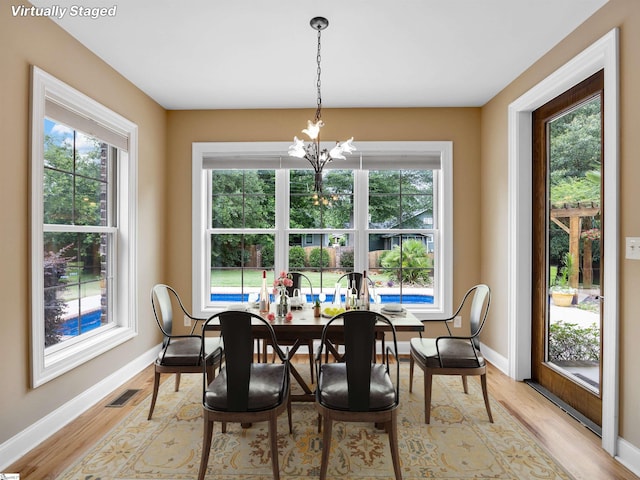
(253, 278)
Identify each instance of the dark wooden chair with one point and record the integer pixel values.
(357, 389)
(454, 354)
(245, 391)
(180, 353)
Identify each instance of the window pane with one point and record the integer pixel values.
(237, 262)
(402, 267)
(333, 208)
(75, 177)
(323, 257)
(75, 281)
(401, 199)
(58, 146)
(243, 198)
(90, 204)
(58, 197)
(90, 157)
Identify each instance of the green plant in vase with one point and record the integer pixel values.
(562, 292)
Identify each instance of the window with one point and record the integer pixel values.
(386, 209)
(83, 168)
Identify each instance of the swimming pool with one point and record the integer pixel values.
(88, 321)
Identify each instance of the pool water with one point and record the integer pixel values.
(88, 321)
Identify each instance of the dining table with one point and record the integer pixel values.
(303, 326)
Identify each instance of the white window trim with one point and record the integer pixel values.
(443, 149)
(46, 366)
(603, 54)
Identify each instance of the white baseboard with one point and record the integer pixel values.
(23, 442)
(629, 456)
(495, 359)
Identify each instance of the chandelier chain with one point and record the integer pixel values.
(318, 84)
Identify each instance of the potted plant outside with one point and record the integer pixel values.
(561, 292)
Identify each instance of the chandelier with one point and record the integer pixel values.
(311, 151)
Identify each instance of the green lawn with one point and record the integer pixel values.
(253, 278)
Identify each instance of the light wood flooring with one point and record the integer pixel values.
(569, 442)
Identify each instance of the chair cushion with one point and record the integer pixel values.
(333, 389)
(181, 351)
(266, 388)
(456, 353)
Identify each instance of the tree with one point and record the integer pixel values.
(398, 198)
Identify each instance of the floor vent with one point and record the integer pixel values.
(124, 398)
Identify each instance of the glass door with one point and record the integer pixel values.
(568, 223)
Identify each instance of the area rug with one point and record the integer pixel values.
(460, 443)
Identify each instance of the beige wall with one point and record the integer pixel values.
(33, 41)
(624, 14)
(460, 125)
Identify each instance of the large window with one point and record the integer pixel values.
(386, 210)
(83, 218)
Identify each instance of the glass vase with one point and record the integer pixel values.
(283, 306)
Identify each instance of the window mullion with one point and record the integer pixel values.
(281, 259)
(361, 219)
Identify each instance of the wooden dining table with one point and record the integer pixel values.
(303, 327)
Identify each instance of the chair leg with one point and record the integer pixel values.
(273, 435)
(177, 382)
(393, 444)
(485, 394)
(206, 446)
(465, 386)
(326, 447)
(310, 347)
(154, 396)
(411, 364)
(289, 413)
(428, 380)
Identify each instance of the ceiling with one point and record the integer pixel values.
(220, 54)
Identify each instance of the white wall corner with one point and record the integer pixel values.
(494, 358)
(629, 456)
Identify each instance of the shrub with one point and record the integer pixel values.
(297, 257)
(346, 258)
(410, 265)
(568, 341)
(319, 257)
(55, 268)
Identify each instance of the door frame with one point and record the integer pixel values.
(603, 54)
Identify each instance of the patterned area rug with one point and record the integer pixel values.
(460, 443)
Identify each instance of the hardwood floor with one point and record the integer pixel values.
(573, 445)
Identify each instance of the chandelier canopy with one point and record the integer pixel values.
(311, 151)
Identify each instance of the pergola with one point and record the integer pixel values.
(575, 213)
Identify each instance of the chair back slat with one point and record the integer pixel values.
(479, 310)
(359, 338)
(236, 330)
(296, 278)
(163, 307)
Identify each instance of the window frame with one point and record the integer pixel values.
(202, 151)
(48, 363)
